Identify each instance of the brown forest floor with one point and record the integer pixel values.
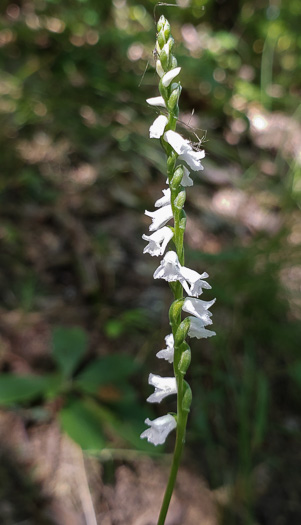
(51, 483)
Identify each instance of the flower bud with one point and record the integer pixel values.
(174, 86)
(180, 199)
(170, 43)
(185, 358)
(161, 22)
(187, 398)
(177, 178)
(166, 30)
(182, 332)
(171, 161)
(174, 97)
(175, 310)
(174, 62)
(164, 58)
(160, 39)
(159, 68)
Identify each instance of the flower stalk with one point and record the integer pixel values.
(171, 268)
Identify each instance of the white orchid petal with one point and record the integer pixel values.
(176, 141)
(169, 268)
(186, 180)
(159, 429)
(170, 75)
(167, 353)
(156, 101)
(165, 199)
(199, 309)
(164, 386)
(159, 217)
(199, 154)
(197, 329)
(157, 128)
(158, 241)
(169, 340)
(192, 158)
(195, 280)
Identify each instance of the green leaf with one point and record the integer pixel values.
(127, 426)
(20, 389)
(111, 369)
(81, 420)
(68, 348)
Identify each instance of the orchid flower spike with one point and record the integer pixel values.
(182, 158)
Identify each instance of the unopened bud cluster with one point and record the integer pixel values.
(181, 158)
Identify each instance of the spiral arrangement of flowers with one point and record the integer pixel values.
(181, 158)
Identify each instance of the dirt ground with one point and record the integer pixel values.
(49, 481)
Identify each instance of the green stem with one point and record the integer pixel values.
(173, 111)
(181, 414)
(180, 439)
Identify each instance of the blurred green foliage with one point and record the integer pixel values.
(77, 171)
(96, 398)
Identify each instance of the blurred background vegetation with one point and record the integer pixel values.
(81, 317)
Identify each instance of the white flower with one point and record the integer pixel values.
(177, 142)
(156, 101)
(170, 75)
(164, 386)
(159, 68)
(192, 158)
(169, 268)
(158, 241)
(184, 149)
(199, 309)
(197, 329)
(159, 217)
(167, 353)
(195, 280)
(159, 429)
(157, 128)
(186, 180)
(164, 200)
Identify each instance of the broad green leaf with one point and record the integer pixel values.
(68, 348)
(128, 427)
(20, 389)
(81, 420)
(111, 369)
